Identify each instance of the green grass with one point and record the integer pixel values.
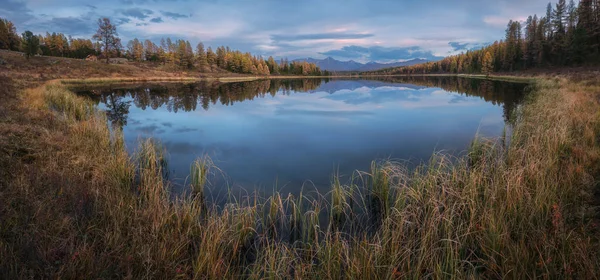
(521, 209)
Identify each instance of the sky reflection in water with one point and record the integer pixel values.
(277, 135)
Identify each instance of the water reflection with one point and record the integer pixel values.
(275, 134)
(186, 97)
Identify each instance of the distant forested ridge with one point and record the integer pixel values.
(567, 35)
(175, 54)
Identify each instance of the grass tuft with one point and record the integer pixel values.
(519, 207)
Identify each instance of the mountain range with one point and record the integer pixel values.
(331, 64)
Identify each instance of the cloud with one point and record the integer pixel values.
(466, 46)
(150, 129)
(375, 96)
(458, 99)
(319, 36)
(14, 6)
(70, 25)
(183, 148)
(320, 113)
(458, 46)
(260, 27)
(15, 11)
(156, 20)
(498, 21)
(378, 53)
(185, 130)
(123, 20)
(138, 13)
(173, 15)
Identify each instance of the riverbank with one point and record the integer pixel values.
(495, 77)
(74, 204)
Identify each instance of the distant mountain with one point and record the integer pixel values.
(331, 64)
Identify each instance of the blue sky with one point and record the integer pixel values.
(360, 30)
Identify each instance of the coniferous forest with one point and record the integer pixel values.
(175, 54)
(567, 35)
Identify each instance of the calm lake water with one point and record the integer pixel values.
(283, 134)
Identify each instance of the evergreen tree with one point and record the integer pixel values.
(273, 66)
(30, 44)
(571, 16)
(549, 19)
(559, 15)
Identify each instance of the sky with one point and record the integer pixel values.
(359, 30)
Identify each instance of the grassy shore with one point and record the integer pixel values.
(75, 204)
(502, 78)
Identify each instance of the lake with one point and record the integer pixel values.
(282, 135)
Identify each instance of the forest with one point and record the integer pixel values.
(173, 54)
(567, 35)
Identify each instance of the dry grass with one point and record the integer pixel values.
(83, 208)
(45, 68)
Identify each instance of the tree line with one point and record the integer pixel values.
(55, 44)
(175, 54)
(180, 54)
(567, 35)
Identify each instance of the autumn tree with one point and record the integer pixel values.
(211, 57)
(184, 54)
(80, 48)
(150, 51)
(9, 39)
(487, 65)
(221, 61)
(201, 56)
(135, 49)
(108, 36)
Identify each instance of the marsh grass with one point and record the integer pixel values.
(95, 82)
(69, 105)
(522, 209)
(109, 81)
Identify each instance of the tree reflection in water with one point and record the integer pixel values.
(177, 96)
(116, 108)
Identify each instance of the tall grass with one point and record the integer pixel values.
(200, 172)
(68, 104)
(515, 210)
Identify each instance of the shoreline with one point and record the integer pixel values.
(72, 181)
(233, 79)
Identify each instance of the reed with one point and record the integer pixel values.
(519, 209)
